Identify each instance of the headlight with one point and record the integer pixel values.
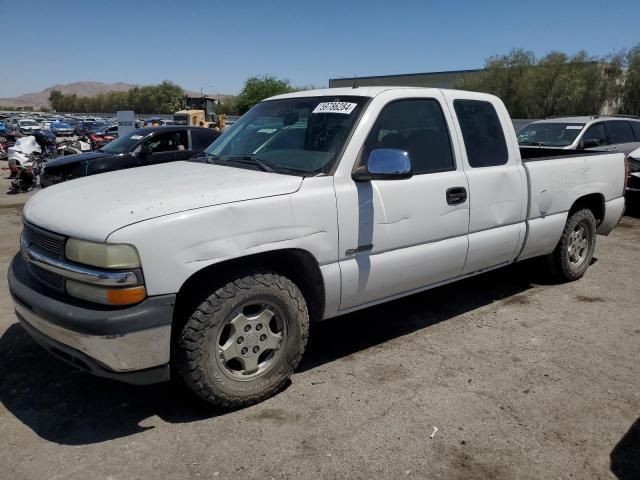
(105, 255)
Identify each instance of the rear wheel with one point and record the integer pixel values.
(574, 251)
(243, 342)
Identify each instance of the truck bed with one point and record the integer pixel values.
(556, 178)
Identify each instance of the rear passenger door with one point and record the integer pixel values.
(497, 181)
(401, 235)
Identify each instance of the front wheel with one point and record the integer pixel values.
(243, 342)
(574, 251)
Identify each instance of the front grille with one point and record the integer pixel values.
(51, 279)
(44, 240)
(47, 243)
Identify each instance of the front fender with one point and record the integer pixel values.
(174, 247)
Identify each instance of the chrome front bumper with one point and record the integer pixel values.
(129, 344)
(119, 353)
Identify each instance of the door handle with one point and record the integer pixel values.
(456, 195)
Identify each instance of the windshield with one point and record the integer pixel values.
(28, 123)
(549, 134)
(123, 144)
(60, 125)
(300, 136)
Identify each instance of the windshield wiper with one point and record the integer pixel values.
(250, 160)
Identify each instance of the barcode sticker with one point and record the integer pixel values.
(335, 107)
(574, 127)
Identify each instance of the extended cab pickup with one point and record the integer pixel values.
(312, 205)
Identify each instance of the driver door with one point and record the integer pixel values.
(402, 235)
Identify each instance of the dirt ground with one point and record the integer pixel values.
(521, 377)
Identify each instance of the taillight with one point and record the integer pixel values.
(626, 171)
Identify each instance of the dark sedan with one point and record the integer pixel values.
(144, 146)
(61, 129)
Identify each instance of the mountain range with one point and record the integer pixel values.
(82, 89)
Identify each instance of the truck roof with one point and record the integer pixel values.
(357, 92)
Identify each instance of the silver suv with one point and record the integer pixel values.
(603, 133)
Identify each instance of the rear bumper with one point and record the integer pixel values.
(613, 211)
(131, 345)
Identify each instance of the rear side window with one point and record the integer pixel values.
(482, 133)
(635, 126)
(418, 127)
(620, 132)
(202, 138)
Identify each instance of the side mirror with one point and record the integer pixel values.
(385, 164)
(590, 143)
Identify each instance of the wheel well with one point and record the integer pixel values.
(297, 265)
(594, 202)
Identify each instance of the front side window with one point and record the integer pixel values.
(619, 132)
(418, 127)
(549, 134)
(299, 136)
(482, 133)
(167, 142)
(595, 136)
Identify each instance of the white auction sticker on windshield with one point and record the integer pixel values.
(335, 107)
(574, 127)
(136, 137)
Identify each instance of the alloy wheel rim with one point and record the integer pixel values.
(251, 341)
(578, 245)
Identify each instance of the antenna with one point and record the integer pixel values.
(355, 78)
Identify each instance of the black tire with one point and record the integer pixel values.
(566, 264)
(199, 354)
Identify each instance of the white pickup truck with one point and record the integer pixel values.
(312, 205)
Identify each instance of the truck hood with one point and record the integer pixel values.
(91, 208)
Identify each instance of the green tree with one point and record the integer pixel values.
(55, 99)
(505, 76)
(555, 84)
(163, 98)
(630, 90)
(257, 89)
(227, 105)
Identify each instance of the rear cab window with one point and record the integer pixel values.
(482, 133)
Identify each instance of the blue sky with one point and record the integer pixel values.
(218, 44)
